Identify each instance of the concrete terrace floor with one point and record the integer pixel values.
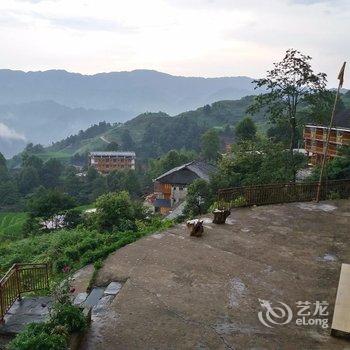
(202, 293)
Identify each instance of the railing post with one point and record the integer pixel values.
(47, 275)
(18, 282)
(2, 307)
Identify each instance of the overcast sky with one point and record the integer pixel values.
(182, 37)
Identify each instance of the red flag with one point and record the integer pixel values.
(341, 75)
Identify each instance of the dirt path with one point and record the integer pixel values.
(104, 139)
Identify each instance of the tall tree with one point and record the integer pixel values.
(210, 145)
(28, 179)
(46, 203)
(31, 161)
(245, 129)
(170, 160)
(288, 84)
(51, 172)
(319, 107)
(4, 175)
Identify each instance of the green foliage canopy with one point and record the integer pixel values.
(246, 129)
(210, 145)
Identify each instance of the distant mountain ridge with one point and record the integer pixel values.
(50, 105)
(138, 90)
(46, 122)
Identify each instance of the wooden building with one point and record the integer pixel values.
(171, 187)
(106, 162)
(315, 137)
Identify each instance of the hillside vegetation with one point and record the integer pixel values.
(11, 225)
(158, 131)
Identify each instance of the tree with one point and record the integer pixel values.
(46, 203)
(31, 161)
(124, 180)
(288, 84)
(8, 193)
(198, 198)
(72, 183)
(170, 160)
(72, 218)
(210, 145)
(30, 148)
(245, 129)
(336, 169)
(28, 179)
(255, 163)
(4, 174)
(116, 212)
(319, 107)
(51, 172)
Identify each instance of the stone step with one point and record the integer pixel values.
(93, 298)
(102, 305)
(80, 298)
(113, 288)
(99, 298)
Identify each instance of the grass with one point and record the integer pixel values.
(86, 207)
(74, 248)
(11, 225)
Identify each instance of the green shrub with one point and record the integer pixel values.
(72, 253)
(74, 248)
(62, 262)
(333, 195)
(239, 202)
(69, 316)
(38, 336)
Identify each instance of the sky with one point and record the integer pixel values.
(206, 38)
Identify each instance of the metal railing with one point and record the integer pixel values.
(19, 279)
(285, 192)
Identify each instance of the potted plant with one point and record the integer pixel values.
(221, 211)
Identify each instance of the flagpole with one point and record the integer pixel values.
(341, 79)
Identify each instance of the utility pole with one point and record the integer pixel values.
(341, 81)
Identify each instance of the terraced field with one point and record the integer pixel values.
(11, 225)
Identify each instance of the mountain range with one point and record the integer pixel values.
(151, 135)
(44, 107)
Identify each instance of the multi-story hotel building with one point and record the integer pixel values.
(106, 162)
(315, 137)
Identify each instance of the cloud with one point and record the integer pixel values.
(182, 37)
(34, 1)
(91, 24)
(7, 133)
(311, 2)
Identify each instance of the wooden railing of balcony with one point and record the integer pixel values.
(21, 278)
(285, 192)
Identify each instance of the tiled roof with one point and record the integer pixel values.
(113, 154)
(200, 169)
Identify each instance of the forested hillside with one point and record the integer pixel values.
(153, 134)
(45, 122)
